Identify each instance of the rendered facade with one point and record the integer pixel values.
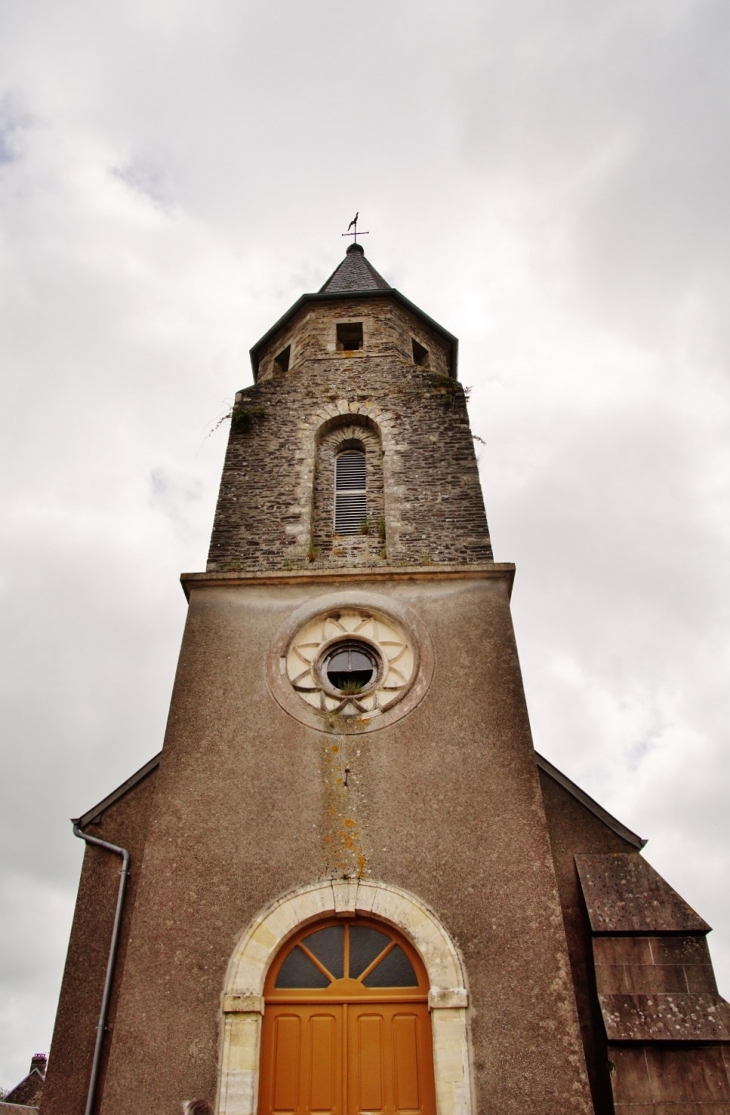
(354, 885)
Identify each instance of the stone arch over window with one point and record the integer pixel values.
(348, 504)
(260, 944)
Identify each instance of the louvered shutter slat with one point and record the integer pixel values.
(350, 511)
(350, 471)
(350, 494)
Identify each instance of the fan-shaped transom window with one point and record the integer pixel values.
(348, 958)
(350, 491)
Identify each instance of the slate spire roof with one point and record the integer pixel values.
(354, 273)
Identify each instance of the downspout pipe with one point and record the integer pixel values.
(101, 1026)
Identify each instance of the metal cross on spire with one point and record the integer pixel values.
(353, 225)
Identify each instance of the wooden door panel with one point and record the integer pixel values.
(366, 1060)
(301, 1061)
(286, 1057)
(389, 1060)
(325, 1063)
(405, 1032)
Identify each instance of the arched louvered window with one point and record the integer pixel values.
(350, 492)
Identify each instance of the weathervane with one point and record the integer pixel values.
(353, 224)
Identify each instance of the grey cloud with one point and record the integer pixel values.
(549, 181)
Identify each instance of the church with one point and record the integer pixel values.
(348, 885)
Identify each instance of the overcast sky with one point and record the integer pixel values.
(549, 180)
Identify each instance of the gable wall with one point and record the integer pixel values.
(125, 824)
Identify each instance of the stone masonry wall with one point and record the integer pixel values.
(432, 498)
(389, 329)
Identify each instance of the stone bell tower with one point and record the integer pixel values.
(353, 884)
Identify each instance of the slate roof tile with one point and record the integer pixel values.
(624, 894)
(354, 273)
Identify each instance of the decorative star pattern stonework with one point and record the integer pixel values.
(383, 636)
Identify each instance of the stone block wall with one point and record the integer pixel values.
(432, 501)
(388, 331)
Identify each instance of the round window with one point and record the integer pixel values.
(351, 667)
(356, 657)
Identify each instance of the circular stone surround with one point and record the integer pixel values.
(386, 630)
(314, 643)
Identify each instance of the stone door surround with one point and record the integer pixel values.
(243, 995)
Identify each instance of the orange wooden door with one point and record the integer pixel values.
(346, 1026)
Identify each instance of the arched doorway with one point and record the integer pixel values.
(272, 928)
(346, 1027)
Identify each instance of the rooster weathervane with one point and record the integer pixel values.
(353, 225)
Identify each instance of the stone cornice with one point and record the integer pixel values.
(493, 570)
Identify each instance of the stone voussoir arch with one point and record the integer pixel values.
(243, 1002)
(342, 412)
(341, 408)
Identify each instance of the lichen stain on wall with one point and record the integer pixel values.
(343, 851)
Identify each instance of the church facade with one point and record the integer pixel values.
(353, 885)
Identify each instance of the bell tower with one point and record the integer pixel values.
(353, 883)
(355, 365)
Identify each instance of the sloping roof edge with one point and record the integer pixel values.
(585, 799)
(8, 1103)
(115, 795)
(340, 295)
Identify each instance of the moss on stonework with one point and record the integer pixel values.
(244, 417)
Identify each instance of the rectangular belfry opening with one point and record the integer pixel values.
(281, 362)
(420, 354)
(349, 336)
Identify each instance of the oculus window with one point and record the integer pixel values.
(351, 667)
(351, 662)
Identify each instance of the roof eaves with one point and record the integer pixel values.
(585, 799)
(339, 295)
(120, 791)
